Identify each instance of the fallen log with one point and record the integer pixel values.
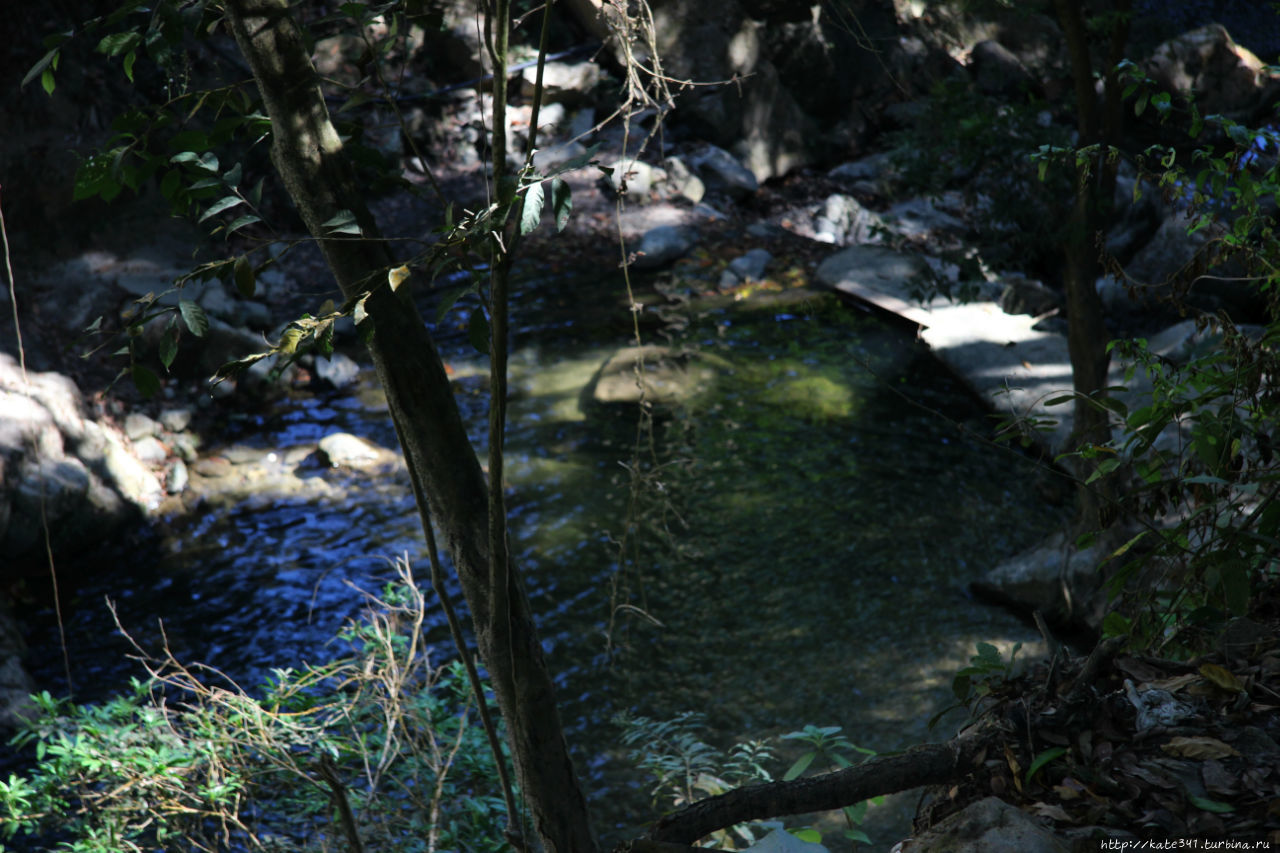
(928, 764)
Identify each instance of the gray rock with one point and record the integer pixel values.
(176, 420)
(186, 446)
(138, 426)
(254, 314)
(873, 172)
(337, 370)
(681, 180)
(781, 841)
(869, 266)
(636, 175)
(59, 469)
(149, 450)
(134, 480)
(1026, 296)
(987, 826)
(563, 82)
(178, 477)
(1206, 64)
(1168, 250)
(343, 450)
(919, 218)
(664, 244)
(721, 172)
(997, 70)
(746, 268)
(1056, 578)
(842, 221)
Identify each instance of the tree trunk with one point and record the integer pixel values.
(1087, 336)
(308, 156)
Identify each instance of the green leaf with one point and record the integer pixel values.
(46, 81)
(244, 276)
(1115, 625)
(145, 380)
(531, 212)
(130, 58)
(478, 330)
(224, 203)
(232, 177)
(1042, 759)
(39, 69)
(193, 315)
(857, 835)
(1210, 805)
(808, 834)
(169, 347)
(561, 202)
(450, 297)
(117, 43)
(247, 219)
(343, 222)
(801, 765)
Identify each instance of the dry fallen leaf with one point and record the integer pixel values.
(1051, 811)
(1199, 748)
(1222, 677)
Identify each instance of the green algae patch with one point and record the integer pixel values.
(814, 398)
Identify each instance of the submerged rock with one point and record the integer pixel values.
(655, 374)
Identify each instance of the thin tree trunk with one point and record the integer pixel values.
(307, 154)
(1087, 335)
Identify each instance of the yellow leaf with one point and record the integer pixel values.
(397, 276)
(1198, 748)
(289, 340)
(1221, 677)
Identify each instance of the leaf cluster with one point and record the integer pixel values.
(188, 761)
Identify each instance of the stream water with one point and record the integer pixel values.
(804, 531)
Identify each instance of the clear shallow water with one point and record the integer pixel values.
(804, 537)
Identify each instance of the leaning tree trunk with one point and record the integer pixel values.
(1087, 336)
(308, 156)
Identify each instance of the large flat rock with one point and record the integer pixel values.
(1016, 368)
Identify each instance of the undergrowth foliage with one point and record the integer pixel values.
(378, 749)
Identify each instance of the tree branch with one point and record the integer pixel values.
(930, 764)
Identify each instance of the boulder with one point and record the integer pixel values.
(721, 172)
(1021, 295)
(343, 450)
(1056, 578)
(987, 826)
(568, 83)
(869, 266)
(61, 470)
(997, 70)
(872, 175)
(337, 370)
(1222, 76)
(635, 177)
(842, 221)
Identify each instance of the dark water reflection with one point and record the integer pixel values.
(823, 526)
